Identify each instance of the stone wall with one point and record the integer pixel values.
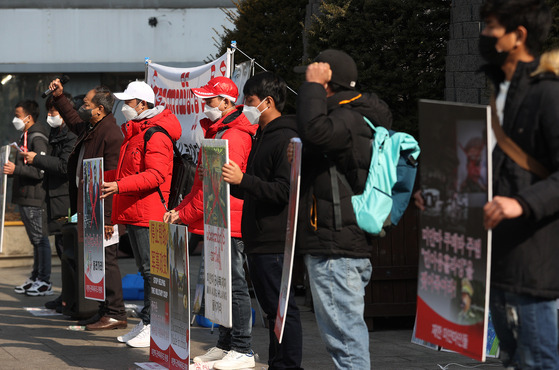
(463, 83)
(16, 248)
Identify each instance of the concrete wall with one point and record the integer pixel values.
(116, 4)
(463, 83)
(17, 250)
(77, 40)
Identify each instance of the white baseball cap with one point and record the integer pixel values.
(137, 90)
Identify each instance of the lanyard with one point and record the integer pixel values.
(24, 149)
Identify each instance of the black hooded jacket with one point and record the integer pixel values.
(27, 188)
(55, 166)
(333, 131)
(524, 249)
(265, 188)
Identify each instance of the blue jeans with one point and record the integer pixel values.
(35, 225)
(139, 241)
(527, 330)
(338, 289)
(238, 338)
(265, 274)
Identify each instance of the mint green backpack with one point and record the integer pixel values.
(389, 184)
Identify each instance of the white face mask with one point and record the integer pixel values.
(129, 112)
(18, 123)
(252, 113)
(54, 121)
(213, 113)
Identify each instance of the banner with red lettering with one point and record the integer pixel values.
(172, 89)
(455, 249)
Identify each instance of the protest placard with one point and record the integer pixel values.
(93, 230)
(290, 234)
(217, 233)
(455, 249)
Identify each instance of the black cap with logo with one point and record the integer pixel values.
(344, 69)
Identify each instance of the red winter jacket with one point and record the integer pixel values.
(239, 133)
(139, 174)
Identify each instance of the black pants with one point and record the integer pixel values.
(114, 303)
(265, 274)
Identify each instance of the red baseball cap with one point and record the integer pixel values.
(218, 86)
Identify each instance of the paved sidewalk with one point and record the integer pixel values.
(30, 342)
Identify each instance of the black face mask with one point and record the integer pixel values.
(489, 52)
(85, 114)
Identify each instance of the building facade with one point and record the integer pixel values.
(98, 42)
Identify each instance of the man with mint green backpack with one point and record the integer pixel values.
(336, 140)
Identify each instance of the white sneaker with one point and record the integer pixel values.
(39, 288)
(213, 354)
(21, 289)
(235, 360)
(142, 340)
(131, 334)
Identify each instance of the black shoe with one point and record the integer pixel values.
(93, 319)
(54, 304)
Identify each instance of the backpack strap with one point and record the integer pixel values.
(220, 134)
(513, 150)
(37, 134)
(147, 135)
(334, 176)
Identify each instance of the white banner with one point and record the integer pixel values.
(172, 89)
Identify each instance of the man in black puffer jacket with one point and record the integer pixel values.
(331, 126)
(29, 194)
(55, 167)
(265, 190)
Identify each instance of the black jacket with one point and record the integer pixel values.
(55, 166)
(27, 187)
(524, 250)
(265, 188)
(333, 131)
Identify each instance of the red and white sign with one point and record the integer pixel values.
(172, 89)
(93, 230)
(454, 247)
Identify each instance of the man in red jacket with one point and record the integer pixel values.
(233, 350)
(143, 182)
